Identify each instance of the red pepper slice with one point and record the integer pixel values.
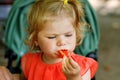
(63, 53)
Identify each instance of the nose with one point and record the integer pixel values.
(61, 41)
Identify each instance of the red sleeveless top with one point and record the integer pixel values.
(35, 69)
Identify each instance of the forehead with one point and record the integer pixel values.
(58, 25)
(58, 20)
(49, 17)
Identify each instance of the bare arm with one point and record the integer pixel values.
(6, 75)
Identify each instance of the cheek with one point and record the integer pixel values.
(73, 39)
(72, 42)
(46, 45)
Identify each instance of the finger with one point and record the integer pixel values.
(65, 65)
(73, 63)
(68, 64)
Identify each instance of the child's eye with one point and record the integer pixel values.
(52, 37)
(68, 35)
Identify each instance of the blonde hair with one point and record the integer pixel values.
(44, 10)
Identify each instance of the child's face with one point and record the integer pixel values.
(57, 35)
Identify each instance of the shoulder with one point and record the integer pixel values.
(27, 61)
(28, 57)
(30, 54)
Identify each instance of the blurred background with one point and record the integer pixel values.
(108, 13)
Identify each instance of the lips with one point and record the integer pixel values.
(63, 53)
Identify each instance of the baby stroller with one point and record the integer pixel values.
(17, 24)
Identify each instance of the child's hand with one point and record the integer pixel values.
(5, 74)
(71, 69)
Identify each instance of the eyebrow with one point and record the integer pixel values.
(62, 33)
